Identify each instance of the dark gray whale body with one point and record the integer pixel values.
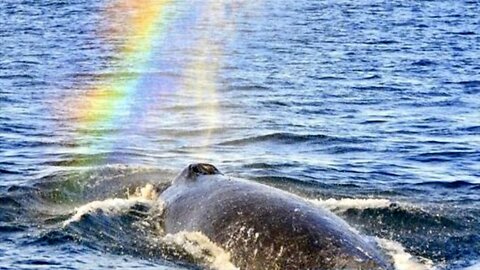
(263, 227)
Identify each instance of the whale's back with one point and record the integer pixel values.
(266, 228)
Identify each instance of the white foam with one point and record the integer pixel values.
(347, 203)
(145, 195)
(147, 192)
(476, 266)
(201, 248)
(108, 206)
(196, 244)
(403, 260)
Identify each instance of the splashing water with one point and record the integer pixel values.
(347, 203)
(352, 100)
(202, 249)
(195, 244)
(402, 259)
(109, 207)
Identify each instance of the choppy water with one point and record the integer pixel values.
(369, 108)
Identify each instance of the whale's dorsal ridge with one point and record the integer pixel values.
(293, 234)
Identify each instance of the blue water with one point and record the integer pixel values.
(328, 99)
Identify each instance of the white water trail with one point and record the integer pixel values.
(204, 251)
(197, 245)
(403, 260)
(146, 195)
(348, 203)
(108, 206)
(476, 266)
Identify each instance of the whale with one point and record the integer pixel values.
(263, 227)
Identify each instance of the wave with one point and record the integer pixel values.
(472, 83)
(475, 266)
(424, 62)
(27, 77)
(248, 87)
(444, 156)
(403, 260)
(289, 138)
(381, 42)
(450, 185)
(194, 247)
(113, 215)
(132, 225)
(395, 215)
(347, 203)
(276, 137)
(193, 132)
(146, 195)
(474, 130)
(8, 171)
(80, 186)
(424, 230)
(108, 207)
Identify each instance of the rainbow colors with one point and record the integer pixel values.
(143, 24)
(146, 35)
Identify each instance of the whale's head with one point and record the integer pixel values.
(195, 170)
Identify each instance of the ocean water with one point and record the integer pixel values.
(368, 108)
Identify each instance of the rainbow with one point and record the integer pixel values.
(103, 103)
(142, 32)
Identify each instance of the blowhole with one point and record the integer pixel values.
(203, 169)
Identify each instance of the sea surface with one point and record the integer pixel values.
(368, 108)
